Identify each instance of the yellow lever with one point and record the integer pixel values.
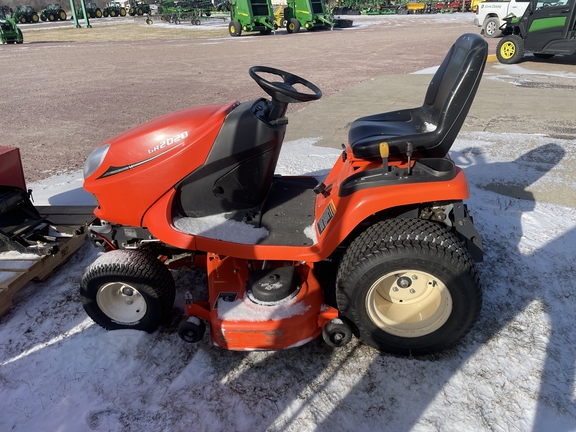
(384, 152)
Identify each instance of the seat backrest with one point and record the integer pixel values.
(452, 90)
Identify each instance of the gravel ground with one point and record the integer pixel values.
(67, 90)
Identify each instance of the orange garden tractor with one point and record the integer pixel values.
(383, 248)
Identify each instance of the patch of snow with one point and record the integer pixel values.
(219, 228)
(246, 310)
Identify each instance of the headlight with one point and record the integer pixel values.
(95, 160)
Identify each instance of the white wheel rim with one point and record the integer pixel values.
(409, 303)
(121, 302)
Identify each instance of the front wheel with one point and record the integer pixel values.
(409, 286)
(510, 49)
(127, 289)
(234, 28)
(293, 26)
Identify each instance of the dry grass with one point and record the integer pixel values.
(136, 30)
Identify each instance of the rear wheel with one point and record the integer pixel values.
(510, 49)
(112, 13)
(491, 28)
(98, 13)
(51, 17)
(122, 12)
(63, 16)
(35, 18)
(409, 286)
(127, 289)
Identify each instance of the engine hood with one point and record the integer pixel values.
(144, 162)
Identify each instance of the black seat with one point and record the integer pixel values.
(433, 127)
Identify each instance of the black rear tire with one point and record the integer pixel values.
(409, 286)
(127, 289)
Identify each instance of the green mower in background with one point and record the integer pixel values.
(92, 10)
(9, 32)
(25, 14)
(53, 12)
(308, 14)
(250, 16)
(113, 9)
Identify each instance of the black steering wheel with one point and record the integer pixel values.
(284, 91)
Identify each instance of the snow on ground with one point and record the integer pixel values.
(515, 371)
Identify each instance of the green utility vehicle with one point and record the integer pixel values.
(114, 9)
(138, 8)
(547, 28)
(25, 14)
(92, 10)
(251, 15)
(308, 14)
(9, 32)
(53, 12)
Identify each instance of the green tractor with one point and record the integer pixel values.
(547, 28)
(114, 9)
(139, 8)
(25, 14)
(251, 15)
(9, 32)
(92, 10)
(53, 12)
(308, 14)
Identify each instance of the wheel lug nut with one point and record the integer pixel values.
(412, 291)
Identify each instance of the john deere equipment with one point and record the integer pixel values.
(545, 29)
(250, 16)
(92, 10)
(308, 14)
(114, 9)
(9, 32)
(53, 12)
(138, 8)
(25, 14)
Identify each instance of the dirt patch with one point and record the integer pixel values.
(122, 31)
(73, 88)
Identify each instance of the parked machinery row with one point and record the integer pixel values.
(401, 7)
(257, 16)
